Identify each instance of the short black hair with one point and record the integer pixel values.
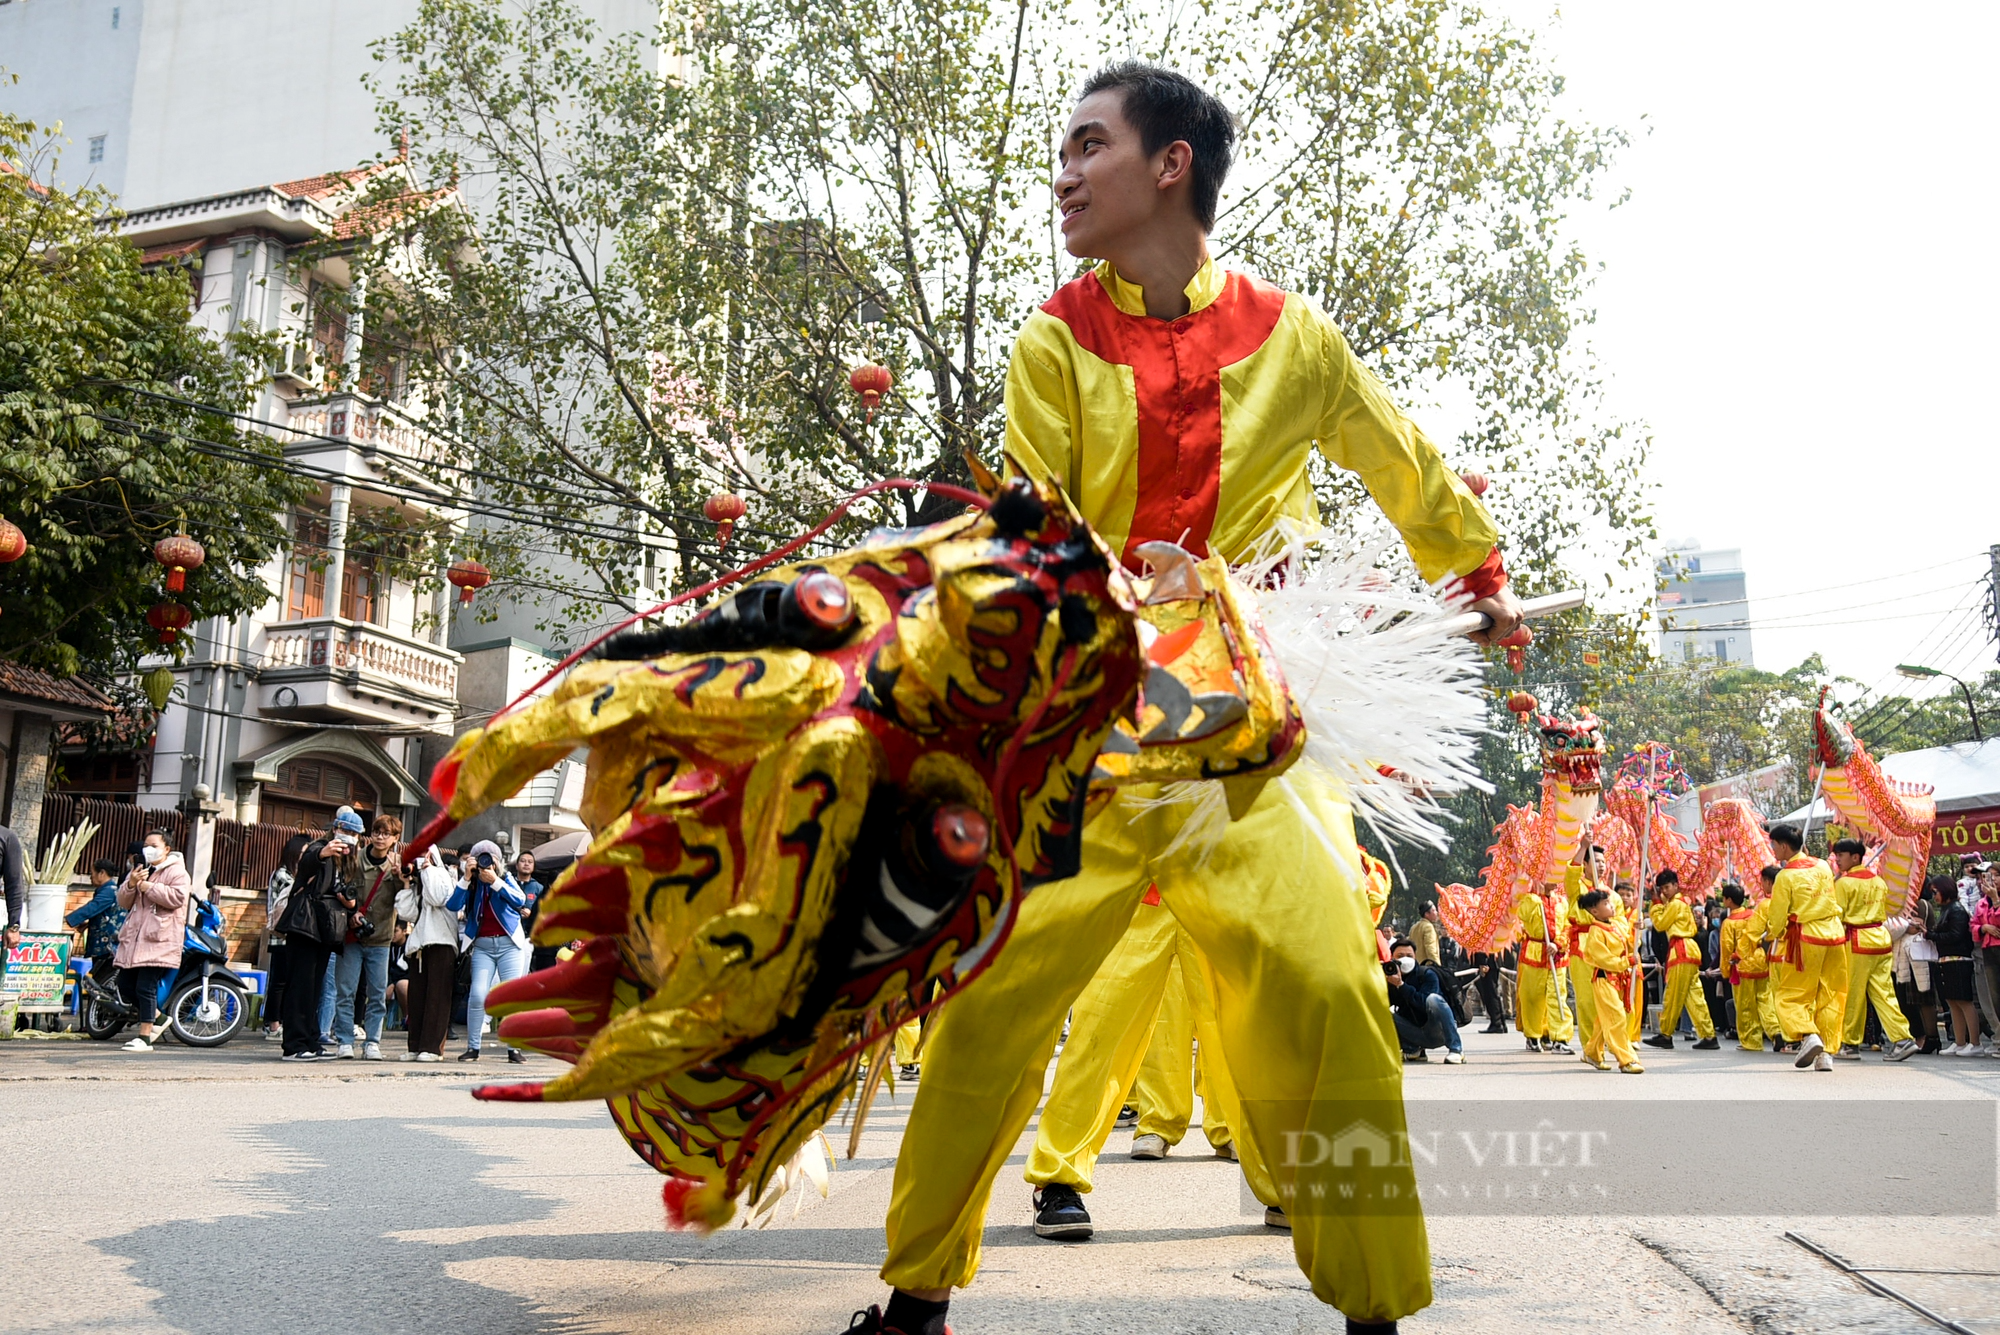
(1668, 876)
(1851, 846)
(1590, 899)
(108, 867)
(1770, 873)
(1788, 835)
(1164, 105)
(1400, 943)
(1733, 893)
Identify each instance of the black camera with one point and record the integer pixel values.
(484, 861)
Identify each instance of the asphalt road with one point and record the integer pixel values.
(224, 1193)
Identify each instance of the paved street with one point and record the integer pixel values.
(213, 1192)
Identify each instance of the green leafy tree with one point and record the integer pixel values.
(677, 252)
(93, 466)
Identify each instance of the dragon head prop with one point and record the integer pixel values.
(1573, 750)
(826, 793)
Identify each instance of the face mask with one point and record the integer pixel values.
(153, 853)
(1405, 964)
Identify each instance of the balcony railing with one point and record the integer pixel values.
(339, 645)
(371, 423)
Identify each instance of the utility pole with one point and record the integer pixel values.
(1993, 598)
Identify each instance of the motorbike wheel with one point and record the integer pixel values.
(210, 1023)
(100, 1020)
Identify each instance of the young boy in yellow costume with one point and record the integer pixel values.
(1584, 875)
(1682, 989)
(1176, 402)
(1863, 897)
(1802, 921)
(1744, 964)
(1607, 947)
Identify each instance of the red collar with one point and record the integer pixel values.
(1862, 874)
(1800, 863)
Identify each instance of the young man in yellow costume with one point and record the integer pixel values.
(1682, 989)
(1606, 944)
(1176, 402)
(1744, 964)
(1802, 921)
(1863, 897)
(1539, 1006)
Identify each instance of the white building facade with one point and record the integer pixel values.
(1705, 605)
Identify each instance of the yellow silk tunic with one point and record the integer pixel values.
(1676, 919)
(1803, 894)
(1863, 897)
(1198, 430)
(1742, 942)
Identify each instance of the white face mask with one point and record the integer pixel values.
(153, 853)
(1405, 964)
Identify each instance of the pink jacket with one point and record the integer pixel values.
(1986, 924)
(153, 932)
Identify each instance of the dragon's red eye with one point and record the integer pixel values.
(962, 834)
(823, 597)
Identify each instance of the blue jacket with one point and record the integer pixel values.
(104, 918)
(505, 896)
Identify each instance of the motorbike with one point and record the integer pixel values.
(204, 1003)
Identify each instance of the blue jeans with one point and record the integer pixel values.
(494, 959)
(328, 991)
(1440, 1032)
(357, 963)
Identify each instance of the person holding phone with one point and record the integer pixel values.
(491, 901)
(155, 897)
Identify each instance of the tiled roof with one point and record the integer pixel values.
(329, 183)
(369, 219)
(172, 250)
(18, 679)
(9, 169)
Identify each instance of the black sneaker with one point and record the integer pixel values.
(1417, 1056)
(907, 1071)
(1059, 1213)
(1494, 1029)
(1707, 1045)
(469, 1055)
(1561, 1047)
(1659, 1041)
(1534, 1045)
(1128, 1117)
(870, 1322)
(516, 1056)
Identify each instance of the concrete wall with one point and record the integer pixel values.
(199, 97)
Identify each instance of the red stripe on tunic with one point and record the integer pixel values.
(1177, 375)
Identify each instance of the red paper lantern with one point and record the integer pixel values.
(170, 619)
(871, 382)
(723, 510)
(1516, 645)
(1520, 702)
(179, 554)
(469, 577)
(1474, 482)
(13, 542)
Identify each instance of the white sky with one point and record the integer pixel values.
(1799, 298)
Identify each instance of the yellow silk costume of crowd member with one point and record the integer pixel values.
(1577, 880)
(1743, 962)
(1802, 919)
(1114, 1025)
(1606, 944)
(1682, 988)
(1540, 1009)
(1175, 402)
(1863, 897)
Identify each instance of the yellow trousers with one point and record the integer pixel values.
(1871, 978)
(1581, 983)
(1163, 1093)
(1613, 1029)
(906, 1044)
(1303, 1024)
(1753, 1007)
(1683, 990)
(1112, 1035)
(1813, 997)
(1540, 1009)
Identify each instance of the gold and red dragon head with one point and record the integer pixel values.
(1573, 750)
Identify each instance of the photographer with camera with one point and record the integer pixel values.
(491, 901)
(362, 976)
(314, 922)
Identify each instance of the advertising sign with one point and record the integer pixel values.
(35, 969)
(1975, 831)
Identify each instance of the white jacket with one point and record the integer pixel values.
(433, 924)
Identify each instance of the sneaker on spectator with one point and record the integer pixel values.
(1149, 1146)
(276, 1035)
(371, 1052)
(300, 1057)
(346, 1051)
(1454, 1059)
(138, 1045)
(429, 1057)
